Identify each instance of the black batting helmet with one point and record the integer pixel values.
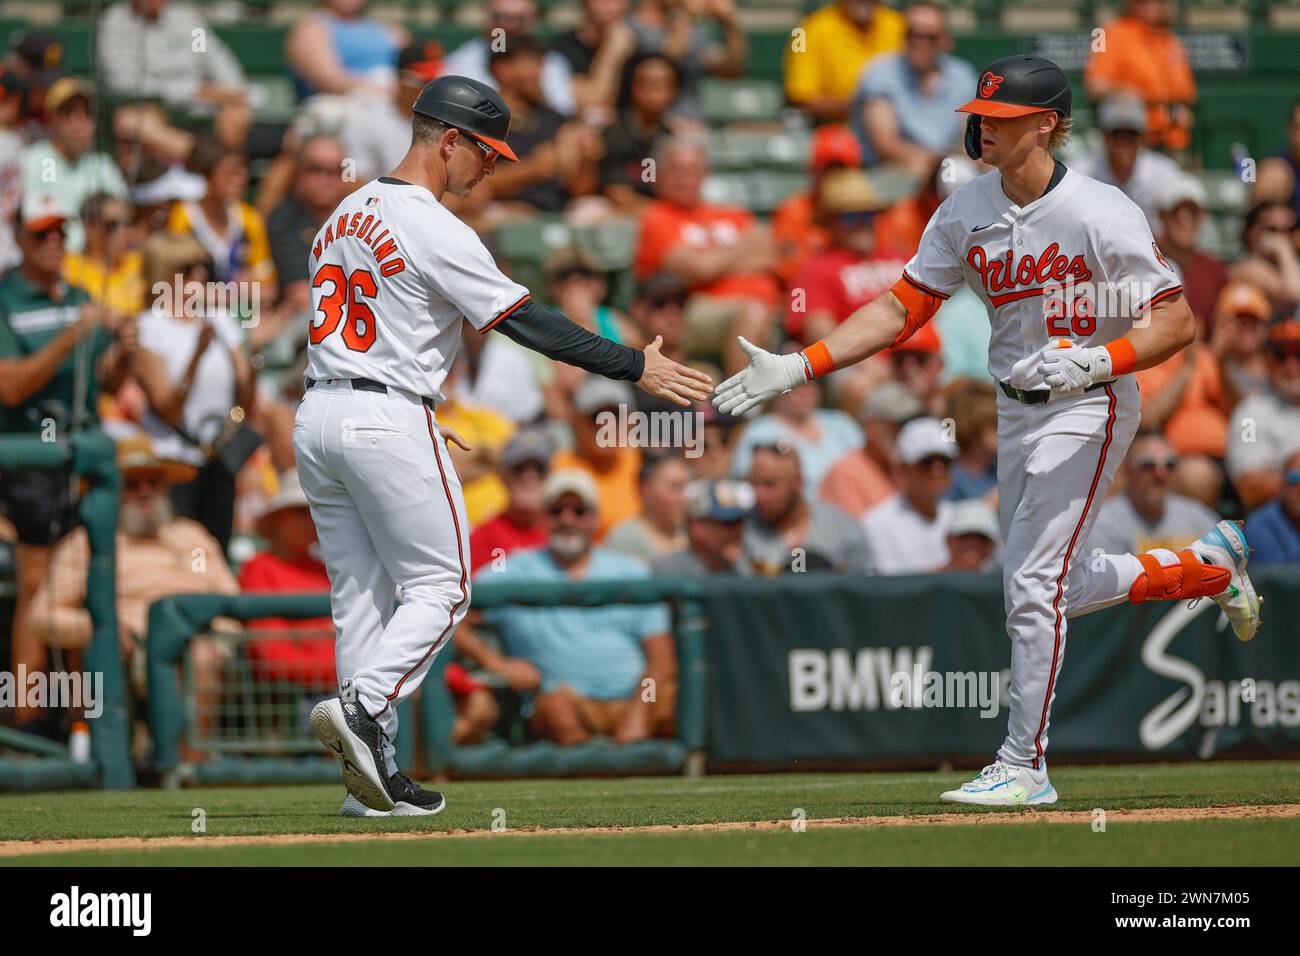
(1015, 86)
(472, 107)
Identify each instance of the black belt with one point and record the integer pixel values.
(370, 385)
(1036, 396)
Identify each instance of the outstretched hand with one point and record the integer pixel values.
(766, 376)
(665, 378)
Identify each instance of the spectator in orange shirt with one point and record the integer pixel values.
(795, 224)
(1190, 395)
(1240, 323)
(835, 283)
(602, 451)
(1142, 55)
(900, 226)
(723, 253)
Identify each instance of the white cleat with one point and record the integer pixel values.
(1002, 785)
(1225, 546)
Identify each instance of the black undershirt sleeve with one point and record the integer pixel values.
(556, 336)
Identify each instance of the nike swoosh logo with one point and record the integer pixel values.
(982, 228)
(1078, 366)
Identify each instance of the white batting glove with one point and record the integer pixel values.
(1024, 373)
(1073, 368)
(766, 376)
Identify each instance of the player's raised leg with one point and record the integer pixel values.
(1213, 566)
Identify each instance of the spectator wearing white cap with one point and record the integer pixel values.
(1181, 211)
(908, 532)
(866, 476)
(716, 510)
(594, 665)
(1123, 161)
(972, 537)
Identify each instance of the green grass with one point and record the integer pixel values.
(670, 800)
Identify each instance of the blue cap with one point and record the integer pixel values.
(722, 499)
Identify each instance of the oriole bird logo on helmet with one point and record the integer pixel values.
(989, 83)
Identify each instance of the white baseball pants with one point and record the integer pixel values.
(390, 514)
(1056, 462)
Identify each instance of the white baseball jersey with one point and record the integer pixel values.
(392, 273)
(1078, 263)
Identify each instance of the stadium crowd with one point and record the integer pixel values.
(123, 191)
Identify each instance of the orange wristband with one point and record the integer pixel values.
(1123, 357)
(817, 361)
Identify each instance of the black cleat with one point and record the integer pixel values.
(409, 800)
(358, 742)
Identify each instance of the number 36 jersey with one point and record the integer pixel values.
(1077, 263)
(392, 273)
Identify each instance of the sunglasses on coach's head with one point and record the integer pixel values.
(560, 509)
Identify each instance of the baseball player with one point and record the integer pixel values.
(392, 274)
(1079, 298)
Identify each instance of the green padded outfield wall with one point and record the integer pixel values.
(803, 672)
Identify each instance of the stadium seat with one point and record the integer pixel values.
(760, 191)
(1226, 190)
(740, 101)
(272, 98)
(522, 245)
(612, 243)
(746, 149)
(530, 239)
